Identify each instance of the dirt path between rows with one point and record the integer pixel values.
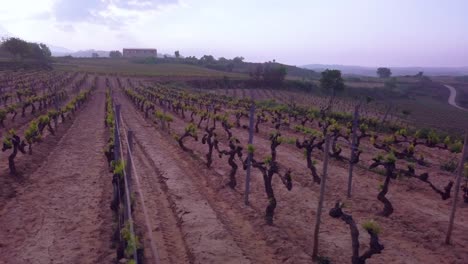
(62, 214)
(26, 164)
(203, 230)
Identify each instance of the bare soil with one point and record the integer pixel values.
(60, 213)
(413, 234)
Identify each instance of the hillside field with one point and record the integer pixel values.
(84, 191)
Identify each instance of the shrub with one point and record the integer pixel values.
(450, 166)
(390, 157)
(131, 239)
(119, 168)
(3, 114)
(32, 133)
(191, 129)
(371, 226)
(456, 147)
(422, 133)
(433, 137)
(7, 142)
(447, 141)
(250, 149)
(402, 132)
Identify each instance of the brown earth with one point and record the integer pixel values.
(413, 234)
(59, 209)
(60, 212)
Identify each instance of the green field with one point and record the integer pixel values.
(124, 66)
(427, 105)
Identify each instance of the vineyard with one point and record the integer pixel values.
(99, 168)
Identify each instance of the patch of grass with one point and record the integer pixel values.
(124, 66)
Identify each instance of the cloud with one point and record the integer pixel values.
(112, 13)
(41, 16)
(4, 32)
(66, 27)
(77, 11)
(143, 4)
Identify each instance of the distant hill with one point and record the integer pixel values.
(80, 54)
(371, 71)
(58, 50)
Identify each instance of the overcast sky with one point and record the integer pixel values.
(298, 32)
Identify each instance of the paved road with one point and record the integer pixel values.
(453, 95)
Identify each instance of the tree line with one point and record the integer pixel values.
(21, 49)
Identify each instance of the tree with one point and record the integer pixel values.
(16, 46)
(257, 72)
(383, 72)
(390, 84)
(207, 59)
(238, 60)
(45, 50)
(39, 52)
(23, 49)
(272, 74)
(115, 54)
(95, 55)
(191, 60)
(332, 80)
(177, 54)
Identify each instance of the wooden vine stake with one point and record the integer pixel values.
(353, 148)
(457, 188)
(322, 195)
(117, 134)
(128, 164)
(249, 158)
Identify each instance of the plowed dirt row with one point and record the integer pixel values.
(413, 234)
(27, 164)
(205, 236)
(61, 212)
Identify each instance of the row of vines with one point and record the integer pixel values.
(397, 154)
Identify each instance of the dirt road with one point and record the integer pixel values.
(453, 96)
(61, 213)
